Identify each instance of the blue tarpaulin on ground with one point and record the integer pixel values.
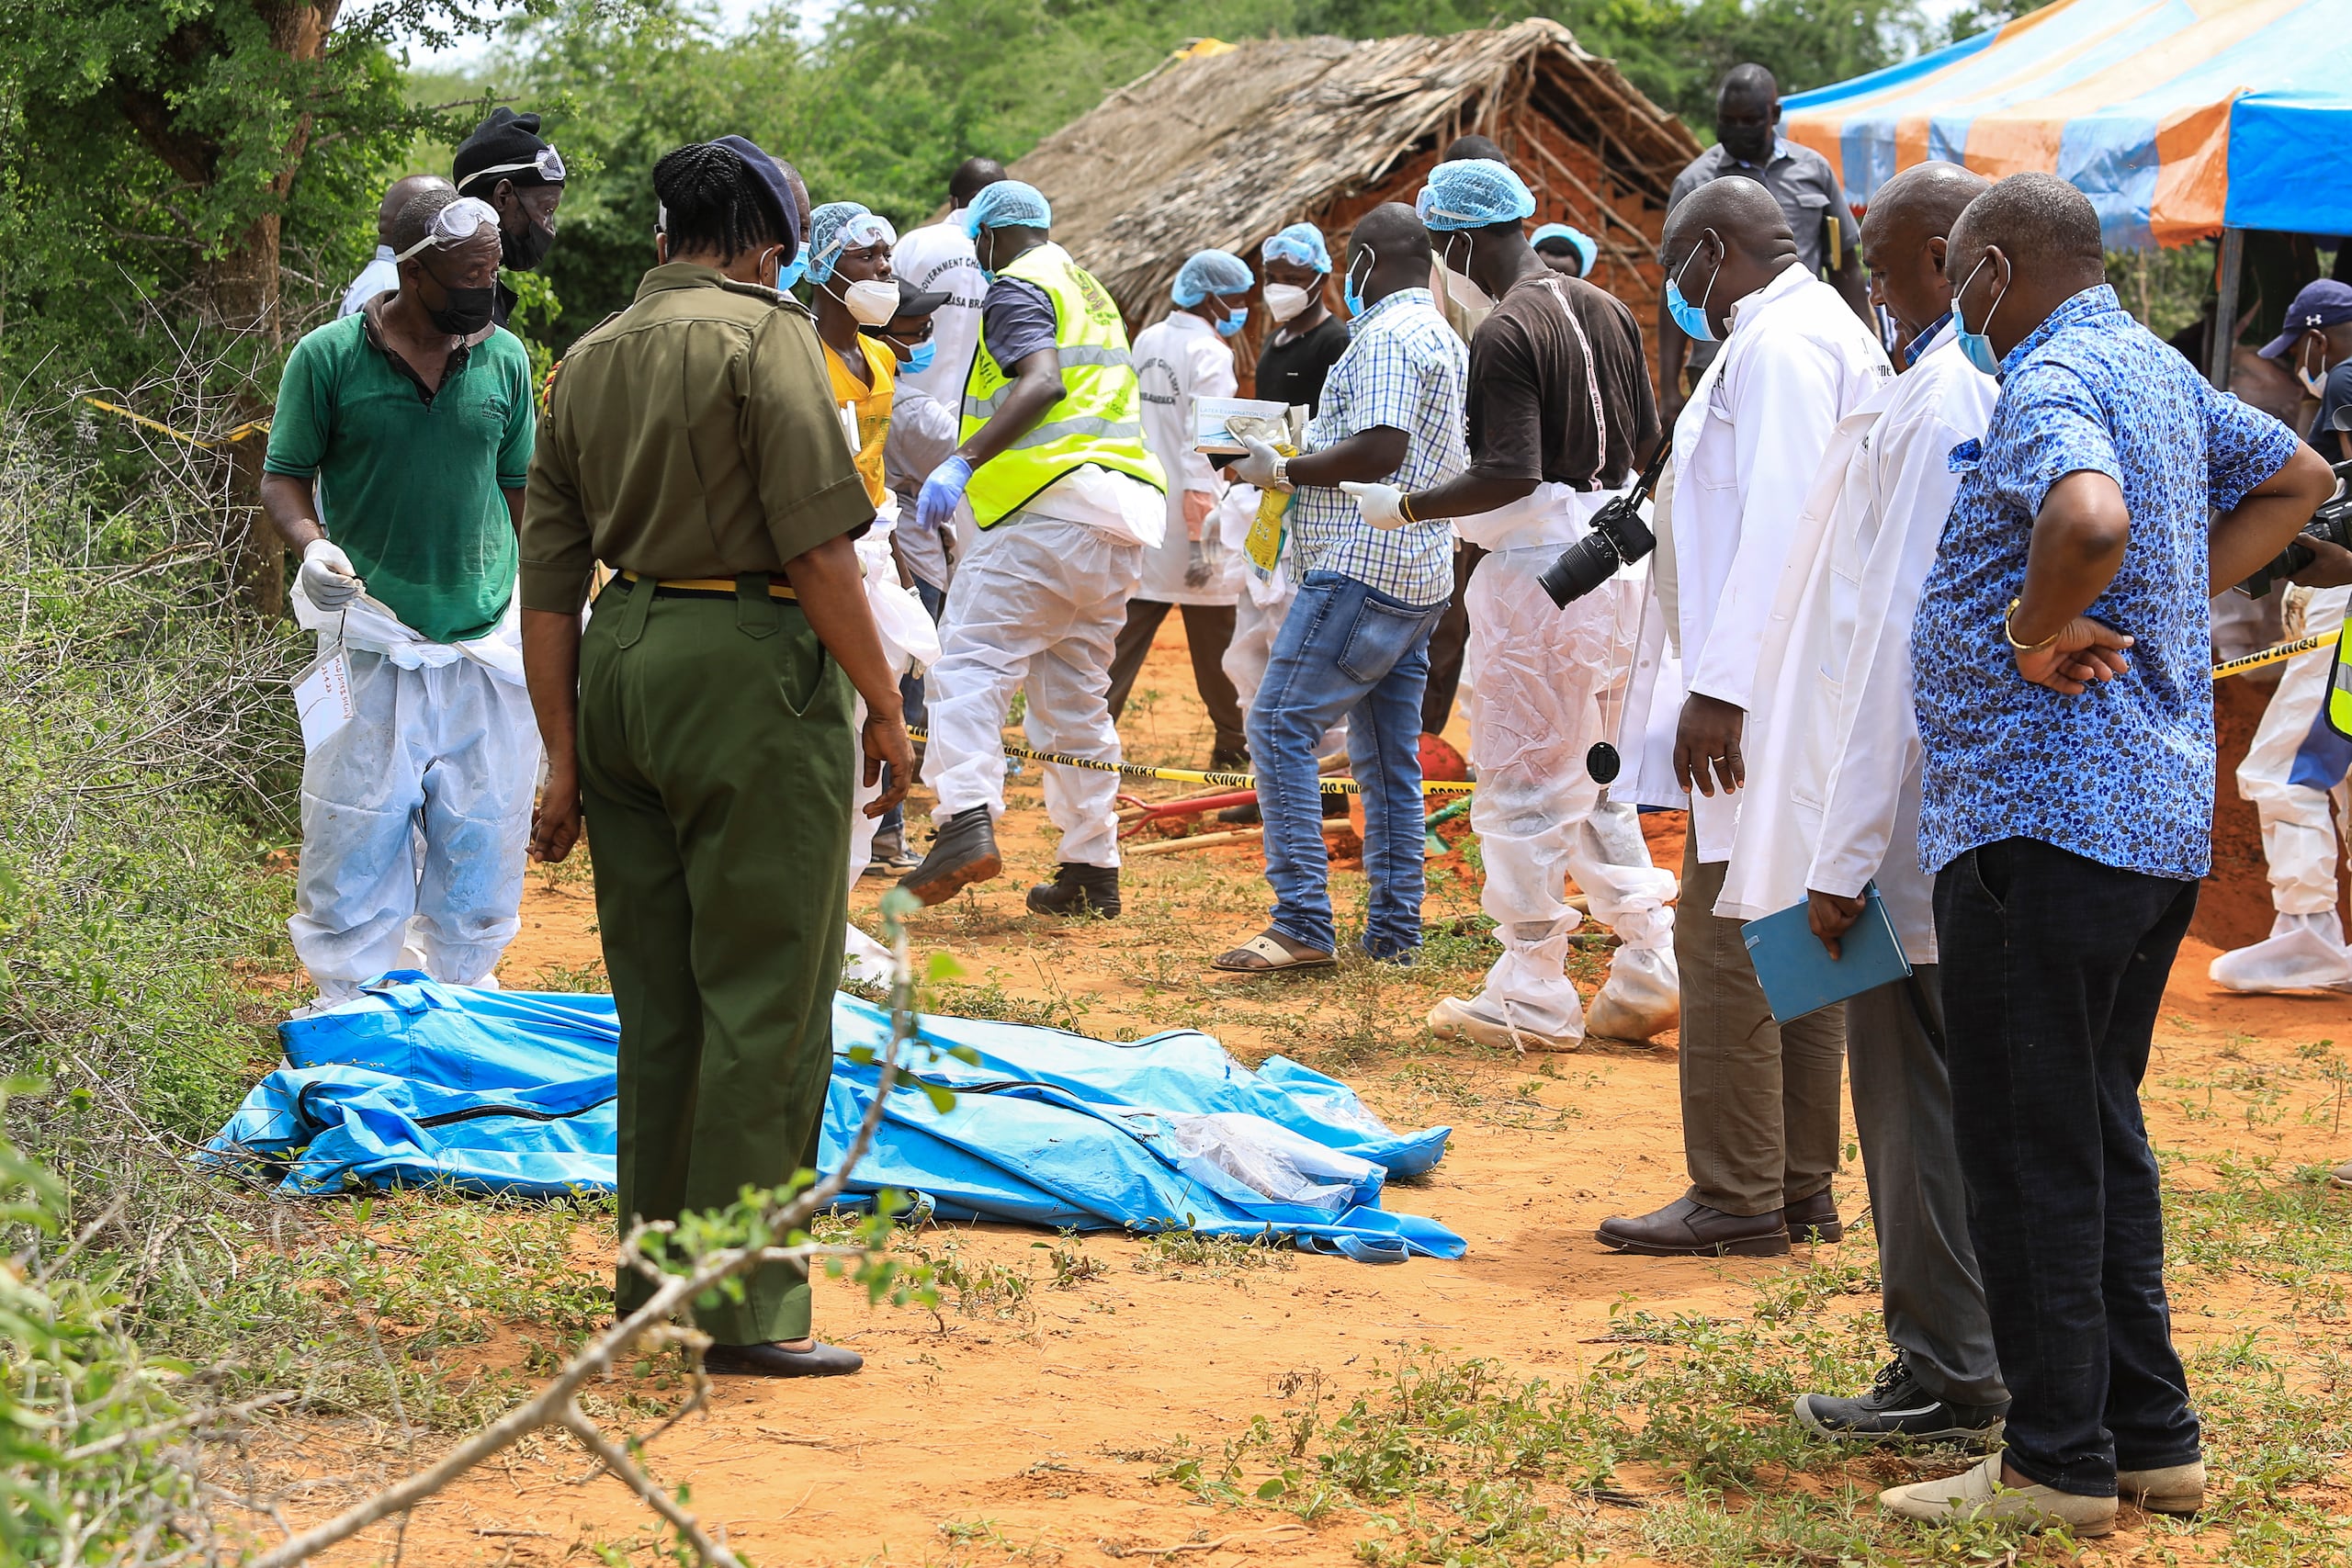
(417, 1084)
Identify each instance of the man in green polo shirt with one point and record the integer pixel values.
(398, 455)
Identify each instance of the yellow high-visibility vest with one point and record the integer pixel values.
(1099, 420)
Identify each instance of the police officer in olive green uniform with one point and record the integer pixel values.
(702, 722)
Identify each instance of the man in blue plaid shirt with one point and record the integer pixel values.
(1355, 643)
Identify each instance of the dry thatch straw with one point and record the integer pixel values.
(1222, 145)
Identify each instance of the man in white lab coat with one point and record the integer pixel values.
(1832, 807)
(1759, 1103)
(1180, 359)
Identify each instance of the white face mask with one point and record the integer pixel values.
(1284, 301)
(872, 301)
(2313, 383)
(1460, 290)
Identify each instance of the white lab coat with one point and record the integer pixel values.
(927, 409)
(1746, 450)
(1178, 359)
(1833, 757)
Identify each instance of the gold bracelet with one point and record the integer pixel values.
(1404, 509)
(2011, 636)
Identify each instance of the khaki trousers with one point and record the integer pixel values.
(1759, 1103)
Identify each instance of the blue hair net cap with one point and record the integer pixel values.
(1008, 204)
(1212, 271)
(1302, 244)
(1472, 193)
(1578, 241)
(841, 226)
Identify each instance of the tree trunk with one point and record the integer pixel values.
(238, 291)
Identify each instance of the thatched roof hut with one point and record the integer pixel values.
(1224, 144)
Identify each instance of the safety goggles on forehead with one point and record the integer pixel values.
(856, 233)
(547, 163)
(454, 225)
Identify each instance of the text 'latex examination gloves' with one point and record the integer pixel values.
(328, 578)
(1257, 465)
(935, 506)
(1383, 505)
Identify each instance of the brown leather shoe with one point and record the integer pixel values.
(1688, 1228)
(1814, 1218)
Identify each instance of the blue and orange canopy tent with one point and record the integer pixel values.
(2180, 119)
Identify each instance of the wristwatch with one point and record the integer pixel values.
(1281, 473)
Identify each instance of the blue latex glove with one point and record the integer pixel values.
(935, 507)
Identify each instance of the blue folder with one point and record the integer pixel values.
(1797, 973)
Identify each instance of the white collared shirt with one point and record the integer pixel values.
(1833, 785)
(1797, 361)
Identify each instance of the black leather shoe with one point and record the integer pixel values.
(1688, 1228)
(1078, 890)
(963, 853)
(820, 1360)
(1247, 815)
(1898, 1408)
(1814, 1218)
(1222, 761)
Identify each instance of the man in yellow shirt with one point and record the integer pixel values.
(849, 266)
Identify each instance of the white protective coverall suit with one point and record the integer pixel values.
(2291, 772)
(416, 814)
(1548, 685)
(909, 641)
(1036, 606)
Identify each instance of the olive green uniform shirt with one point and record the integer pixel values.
(693, 434)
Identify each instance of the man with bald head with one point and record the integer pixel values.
(1749, 143)
(383, 274)
(2066, 812)
(1759, 1102)
(1833, 807)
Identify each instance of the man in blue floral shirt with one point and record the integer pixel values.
(2060, 657)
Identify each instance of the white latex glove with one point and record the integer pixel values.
(1382, 505)
(327, 577)
(1258, 466)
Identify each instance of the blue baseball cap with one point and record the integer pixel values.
(2325, 303)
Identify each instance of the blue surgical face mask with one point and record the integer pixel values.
(1233, 324)
(1976, 347)
(1348, 294)
(919, 357)
(1692, 318)
(787, 276)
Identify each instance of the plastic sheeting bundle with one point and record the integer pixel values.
(418, 1084)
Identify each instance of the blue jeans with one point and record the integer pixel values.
(2053, 970)
(1345, 651)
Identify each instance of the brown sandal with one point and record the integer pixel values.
(1268, 953)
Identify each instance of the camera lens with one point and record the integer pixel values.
(1582, 567)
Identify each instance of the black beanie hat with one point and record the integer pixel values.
(504, 138)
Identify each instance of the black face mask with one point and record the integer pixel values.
(526, 251)
(1749, 144)
(465, 313)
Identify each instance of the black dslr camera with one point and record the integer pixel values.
(1619, 537)
(2332, 522)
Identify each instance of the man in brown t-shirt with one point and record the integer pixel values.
(1560, 412)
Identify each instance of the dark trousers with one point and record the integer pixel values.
(1208, 629)
(1448, 643)
(715, 768)
(1930, 1291)
(2053, 969)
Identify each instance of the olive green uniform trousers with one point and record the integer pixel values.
(715, 766)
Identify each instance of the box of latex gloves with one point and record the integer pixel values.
(1211, 415)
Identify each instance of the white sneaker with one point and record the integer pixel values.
(2302, 953)
(1978, 1493)
(2174, 1489)
(1642, 999)
(1456, 1020)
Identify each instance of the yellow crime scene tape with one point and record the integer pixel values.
(2285, 650)
(1192, 776)
(250, 426)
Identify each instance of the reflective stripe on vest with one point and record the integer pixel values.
(2339, 684)
(1098, 420)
